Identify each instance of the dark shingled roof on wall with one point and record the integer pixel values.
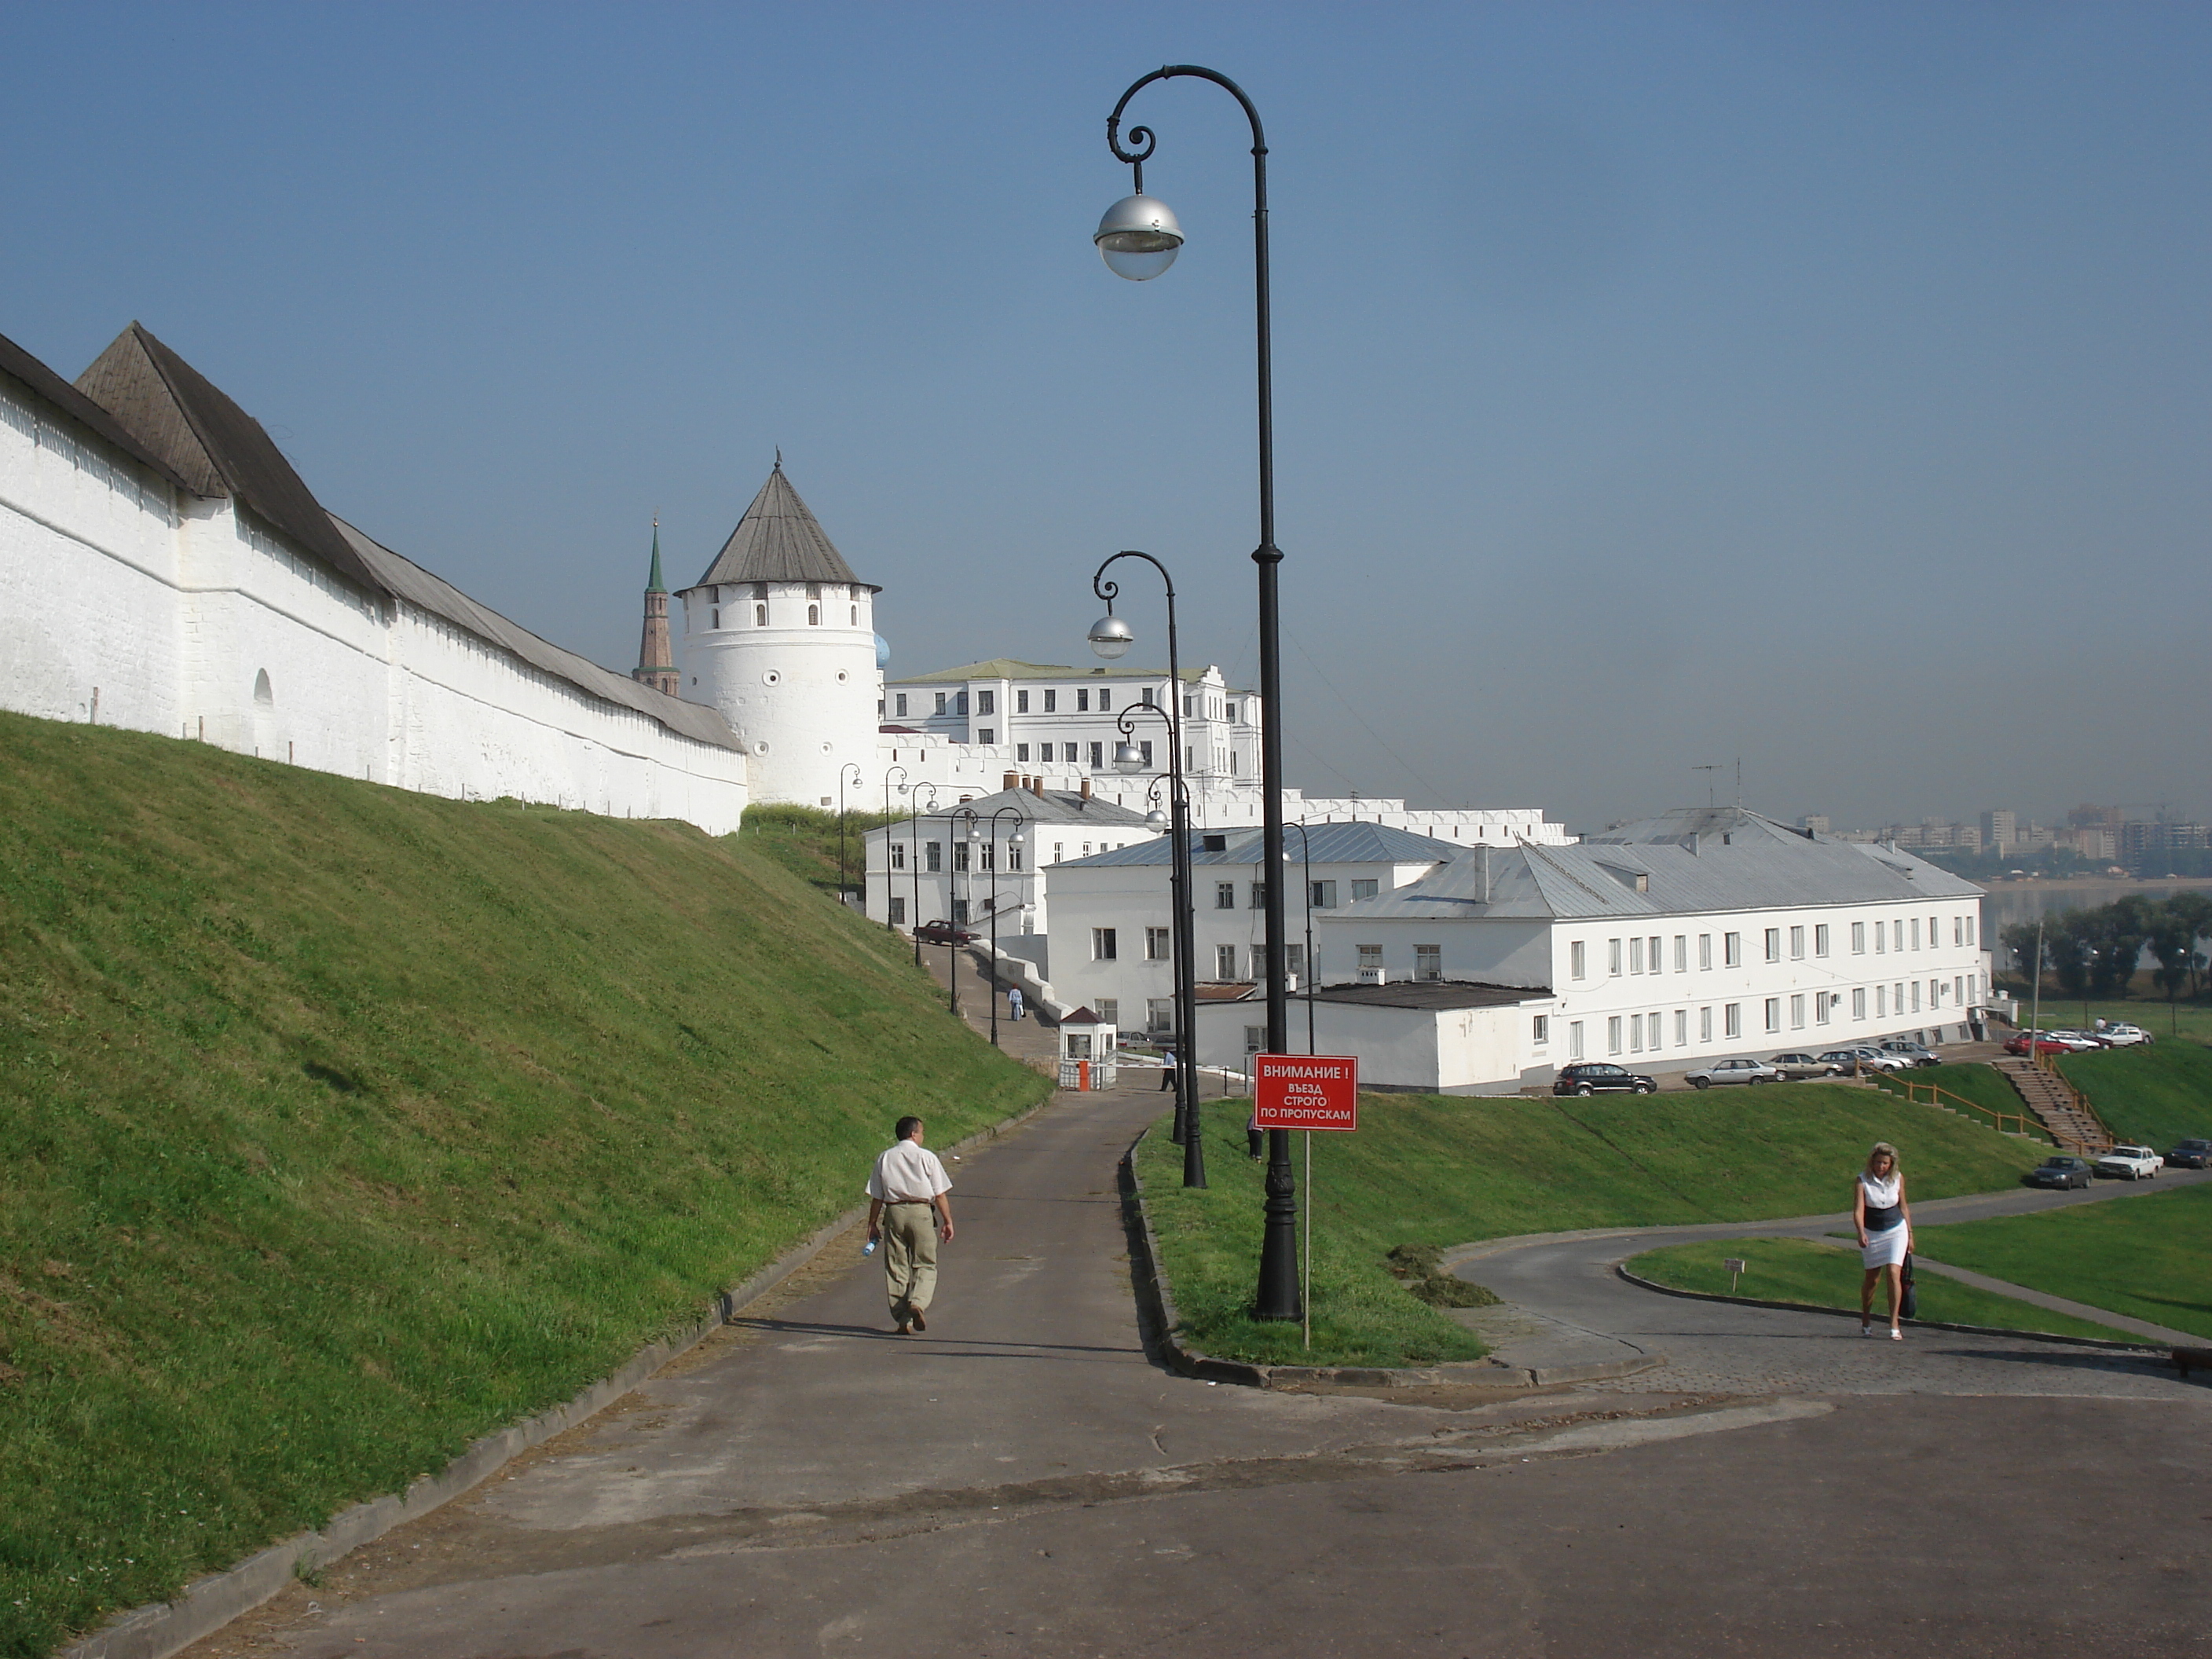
(42, 382)
(215, 446)
(779, 540)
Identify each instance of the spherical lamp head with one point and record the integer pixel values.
(1111, 637)
(1127, 758)
(1156, 820)
(1016, 838)
(1139, 238)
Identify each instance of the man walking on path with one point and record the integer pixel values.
(1014, 1003)
(907, 1210)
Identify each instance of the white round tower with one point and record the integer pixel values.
(780, 636)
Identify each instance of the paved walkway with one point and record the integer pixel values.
(1567, 1305)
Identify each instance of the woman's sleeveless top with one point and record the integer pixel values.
(1882, 1210)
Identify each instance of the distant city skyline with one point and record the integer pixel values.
(1657, 384)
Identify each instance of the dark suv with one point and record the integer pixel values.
(1594, 1077)
(2190, 1154)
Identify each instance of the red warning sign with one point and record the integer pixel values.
(1306, 1091)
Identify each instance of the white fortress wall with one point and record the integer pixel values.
(192, 619)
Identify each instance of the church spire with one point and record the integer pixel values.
(656, 663)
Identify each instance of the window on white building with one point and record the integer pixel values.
(1577, 961)
(1612, 957)
(901, 701)
(1021, 751)
(1294, 962)
(1097, 756)
(1362, 889)
(1324, 895)
(932, 857)
(1542, 1032)
(1858, 1002)
(1882, 1002)
(1224, 961)
(960, 855)
(1934, 932)
(1370, 958)
(1821, 939)
(1858, 939)
(1732, 950)
(1880, 938)
(1958, 987)
(1732, 1020)
(1105, 700)
(985, 734)
(1705, 950)
(1021, 702)
(1636, 955)
(1774, 1013)
(1652, 955)
(1259, 895)
(1159, 1014)
(1612, 1034)
(898, 910)
(1635, 1034)
(1797, 1011)
(1145, 754)
(1067, 753)
(1704, 1025)
(987, 702)
(940, 702)
(1159, 943)
(1103, 946)
(898, 855)
(1774, 944)
(1916, 933)
(1014, 855)
(1051, 702)
(1897, 933)
(760, 615)
(1681, 953)
(1082, 701)
(1824, 1003)
(1682, 1028)
(1428, 962)
(1574, 1039)
(1915, 996)
(1224, 896)
(1970, 931)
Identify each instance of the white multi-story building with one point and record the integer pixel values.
(1112, 914)
(1703, 932)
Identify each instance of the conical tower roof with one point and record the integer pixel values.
(779, 540)
(213, 445)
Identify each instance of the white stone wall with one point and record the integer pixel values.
(190, 619)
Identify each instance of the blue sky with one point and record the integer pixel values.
(1822, 385)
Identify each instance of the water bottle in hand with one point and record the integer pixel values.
(868, 1248)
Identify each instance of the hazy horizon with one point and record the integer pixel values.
(1825, 385)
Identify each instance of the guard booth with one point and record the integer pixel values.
(1087, 1046)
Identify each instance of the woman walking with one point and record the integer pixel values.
(1884, 1224)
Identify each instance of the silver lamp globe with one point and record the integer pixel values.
(1156, 820)
(1111, 637)
(1127, 759)
(1139, 238)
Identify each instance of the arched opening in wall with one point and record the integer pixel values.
(717, 616)
(265, 714)
(760, 615)
(265, 696)
(856, 615)
(814, 615)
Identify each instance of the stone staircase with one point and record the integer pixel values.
(2073, 1122)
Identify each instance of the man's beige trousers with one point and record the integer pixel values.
(909, 1258)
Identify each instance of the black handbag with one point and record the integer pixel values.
(1908, 1304)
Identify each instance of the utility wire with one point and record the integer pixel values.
(1383, 742)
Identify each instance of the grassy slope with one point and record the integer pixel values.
(2144, 1257)
(1973, 1081)
(340, 1125)
(2160, 1093)
(803, 840)
(1828, 1276)
(1437, 1170)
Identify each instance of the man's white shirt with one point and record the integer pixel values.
(908, 1174)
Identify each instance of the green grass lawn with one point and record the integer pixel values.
(1432, 1169)
(2147, 1257)
(2159, 1093)
(1973, 1081)
(340, 1126)
(1828, 1276)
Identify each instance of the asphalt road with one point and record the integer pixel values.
(1024, 1480)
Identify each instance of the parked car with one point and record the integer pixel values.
(2060, 1172)
(1845, 1061)
(2190, 1155)
(1596, 1077)
(2135, 1163)
(2078, 1041)
(944, 933)
(2043, 1043)
(1913, 1054)
(1732, 1071)
(2124, 1035)
(1871, 1059)
(1804, 1065)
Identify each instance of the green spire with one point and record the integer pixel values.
(656, 586)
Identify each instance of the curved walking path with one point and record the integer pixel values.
(1565, 1304)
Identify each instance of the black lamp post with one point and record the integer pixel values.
(853, 766)
(890, 875)
(1306, 848)
(1139, 239)
(991, 854)
(1111, 638)
(914, 857)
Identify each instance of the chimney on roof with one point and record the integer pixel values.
(1086, 789)
(1482, 872)
(1011, 780)
(1036, 785)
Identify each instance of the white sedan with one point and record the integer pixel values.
(1731, 1071)
(2135, 1163)
(2122, 1036)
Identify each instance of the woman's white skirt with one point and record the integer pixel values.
(1886, 1249)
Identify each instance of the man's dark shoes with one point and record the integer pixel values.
(920, 1323)
(904, 1329)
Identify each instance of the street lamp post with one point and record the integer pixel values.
(1111, 637)
(889, 874)
(1013, 844)
(853, 766)
(1139, 239)
(914, 858)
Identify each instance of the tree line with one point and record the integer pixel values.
(2095, 951)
